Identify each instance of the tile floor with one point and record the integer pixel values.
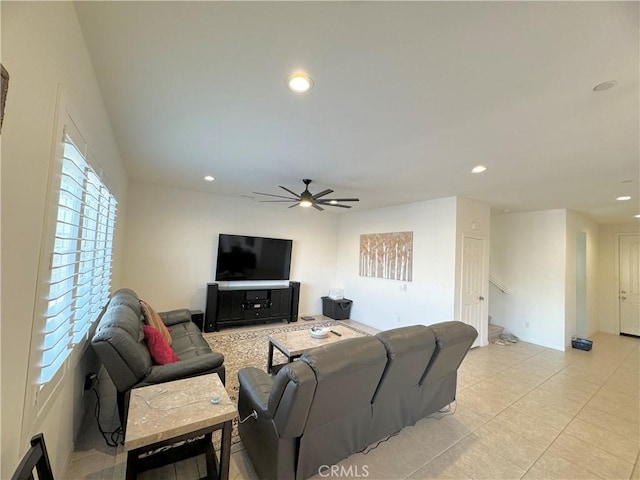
(522, 411)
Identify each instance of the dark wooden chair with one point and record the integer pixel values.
(37, 458)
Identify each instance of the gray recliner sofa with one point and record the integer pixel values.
(340, 398)
(119, 343)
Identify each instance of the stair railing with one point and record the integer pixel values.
(498, 285)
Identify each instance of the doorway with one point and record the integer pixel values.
(629, 287)
(472, 299)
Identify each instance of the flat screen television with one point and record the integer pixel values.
(242, 257)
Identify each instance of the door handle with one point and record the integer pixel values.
(480, 297)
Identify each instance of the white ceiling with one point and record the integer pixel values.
(408, 97)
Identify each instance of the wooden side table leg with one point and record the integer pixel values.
(225, 450)
(132, 465)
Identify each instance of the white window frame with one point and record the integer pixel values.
(39, 396)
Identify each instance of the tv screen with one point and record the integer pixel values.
(253, 258)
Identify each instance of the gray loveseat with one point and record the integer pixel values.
(119, 343)
(340, 398)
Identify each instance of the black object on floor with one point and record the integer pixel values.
(581, 343)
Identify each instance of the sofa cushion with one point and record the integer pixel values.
(154, 320)
(188, 341)
(159, 349)
(128, 297)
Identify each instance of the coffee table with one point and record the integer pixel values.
(294, 344)
(180, 411)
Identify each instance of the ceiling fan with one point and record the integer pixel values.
(306, 199)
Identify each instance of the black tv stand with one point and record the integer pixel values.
(229, 306)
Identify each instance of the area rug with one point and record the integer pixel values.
(250, 348)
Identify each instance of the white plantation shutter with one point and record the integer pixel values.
(80, 262)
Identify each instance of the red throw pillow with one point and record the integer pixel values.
(161, 352)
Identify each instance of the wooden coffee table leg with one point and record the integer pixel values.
(225, 450)
(270, 358)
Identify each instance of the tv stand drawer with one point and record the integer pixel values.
(256, 313)
(257, 294)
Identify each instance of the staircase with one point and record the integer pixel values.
(494, 331)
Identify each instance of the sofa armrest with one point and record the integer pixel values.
(174, 317)
(190, 367)
(256, 386)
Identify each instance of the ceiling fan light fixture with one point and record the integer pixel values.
(333, 202)
(299, 82)
(623, 198)
(601, 87)
(305, 203)
(479, 169)
(208, 178)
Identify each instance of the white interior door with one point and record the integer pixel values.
(472, 298)
(629, 294)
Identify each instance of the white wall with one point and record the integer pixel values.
(575, 224)
(429, 298)
(42, 45)
(528, 256)
(609, 276)
(473, 219)
(172, 240)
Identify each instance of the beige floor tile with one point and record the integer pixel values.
(557, 401)
(481, 403)
(594, 459)
(394, 459)
(526, 427)
(476, 459)
(552, 467)
(439, 468)
(435, 436)
(518, 382)
(542, 412)
(241, 467)
(623, 447)
(499, 393)
(509, 445)
(627, 427)
(605, 405)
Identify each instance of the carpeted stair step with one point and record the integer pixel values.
(494, 332)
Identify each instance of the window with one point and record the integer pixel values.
(80, 263)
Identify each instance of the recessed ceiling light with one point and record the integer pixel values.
(623, 198)
(209, 178)
(479, 169)
(637, 216)
(605, 86)
(299, 82)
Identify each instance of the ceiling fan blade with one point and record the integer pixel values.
(336, 205)
(292, 193)
(322, 193)
(317, 207)
(295, 205)
(277, 201)
(278, 196)
(324, 200)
